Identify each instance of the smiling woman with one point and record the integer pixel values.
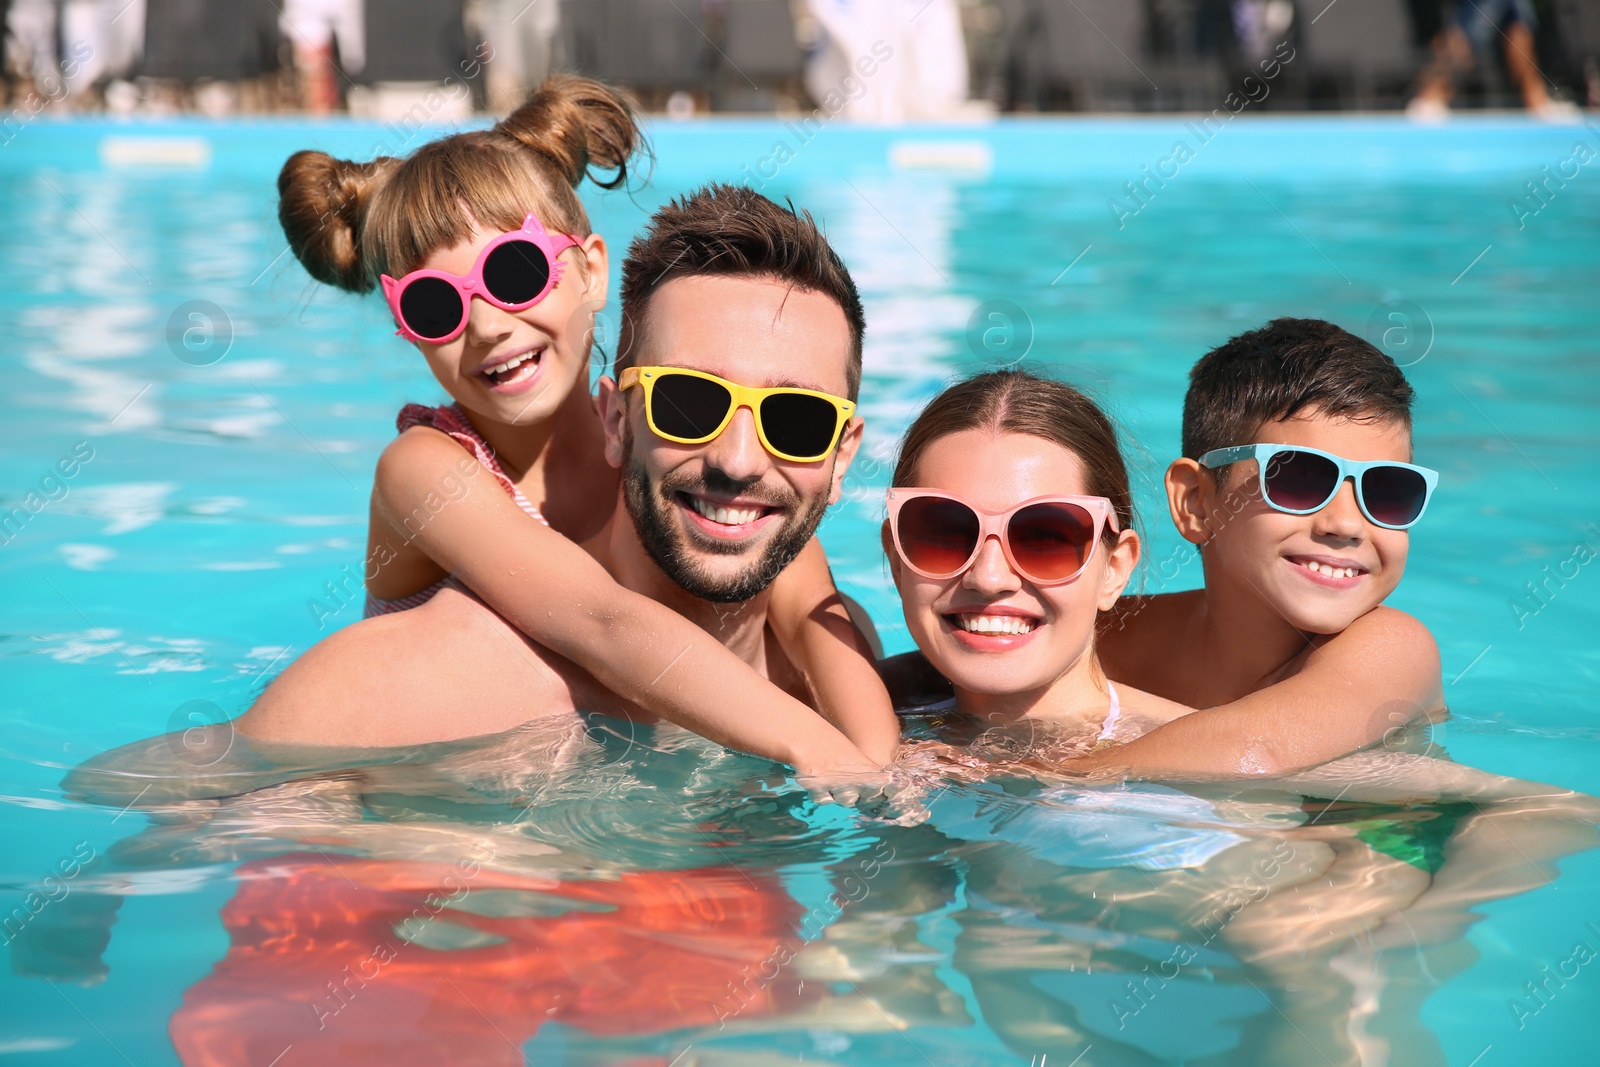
(1010, 530)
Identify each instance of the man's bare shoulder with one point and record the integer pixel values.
(447, 670)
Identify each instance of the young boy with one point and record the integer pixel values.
(1287, 648)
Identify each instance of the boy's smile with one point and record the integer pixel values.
(1335, 572)
(1322, 571)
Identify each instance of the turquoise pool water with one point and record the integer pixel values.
(615, 910)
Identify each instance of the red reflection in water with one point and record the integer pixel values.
(320, 962)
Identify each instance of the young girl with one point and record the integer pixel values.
(485, 255)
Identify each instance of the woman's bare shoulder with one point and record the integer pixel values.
(1145, 711)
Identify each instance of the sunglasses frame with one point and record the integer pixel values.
(997, 524)
(471, 285)
(1350, 469)
(743, 396)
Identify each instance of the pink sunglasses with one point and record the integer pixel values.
(1047, 540)
(514, 272)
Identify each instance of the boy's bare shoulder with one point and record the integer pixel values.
(1391, 633)
(1140, 630)
(1147, 610)
(1387, 653)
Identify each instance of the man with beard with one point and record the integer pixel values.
(725, 292)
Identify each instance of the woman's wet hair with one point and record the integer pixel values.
(350, 222)
(1014, 401)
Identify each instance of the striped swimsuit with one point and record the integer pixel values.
(449, 419)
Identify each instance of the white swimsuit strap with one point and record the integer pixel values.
(1112, 713)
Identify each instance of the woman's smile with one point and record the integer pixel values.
(992, 627)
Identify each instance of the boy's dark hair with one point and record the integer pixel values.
(1281, 369)
(725, 229)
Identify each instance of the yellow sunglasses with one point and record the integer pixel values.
(691, 407)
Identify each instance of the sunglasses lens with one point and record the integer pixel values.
(431, 308)
(1394, 495)
(1300, 481)
(799, 425)
(516, 272)
(1051, 541)
(937, 536)
(688, 407)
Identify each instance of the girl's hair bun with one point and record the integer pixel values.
(321, 205)
(348, 222)
(581, 126)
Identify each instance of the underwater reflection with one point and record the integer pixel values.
(591, 899)
(352, 961)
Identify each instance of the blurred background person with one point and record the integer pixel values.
(30, 40)
(1472, 31)
(329, 45)
(522, 34)
(100, 40)
(888, 60)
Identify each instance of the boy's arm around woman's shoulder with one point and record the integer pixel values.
(1351, 691)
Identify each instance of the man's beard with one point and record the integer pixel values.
(652, 512)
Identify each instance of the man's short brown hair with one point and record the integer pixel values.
(1281, 369)
(724, 229)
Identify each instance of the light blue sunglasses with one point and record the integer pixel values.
(1299, 480)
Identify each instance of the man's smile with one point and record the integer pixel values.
(726, 518)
